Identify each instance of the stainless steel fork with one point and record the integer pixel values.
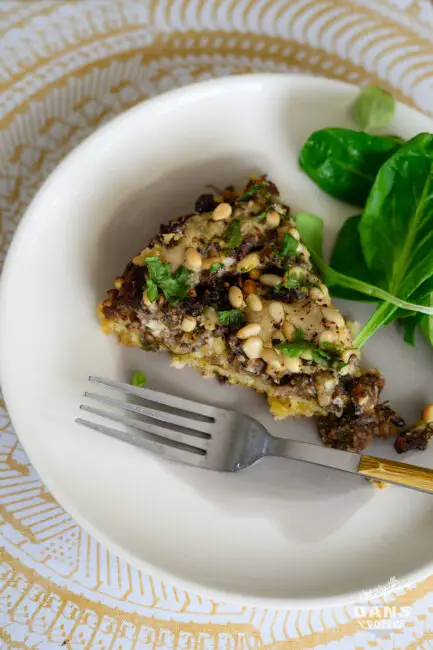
(225, 441)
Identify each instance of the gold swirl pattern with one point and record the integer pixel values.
(66, 67)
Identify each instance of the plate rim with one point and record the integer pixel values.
(194, 89)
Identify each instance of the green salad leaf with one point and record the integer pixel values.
(373, 109)
(344, 162)
(310, 228)
(397, 227)
(347, 258)
(426, 323)
(174, 286)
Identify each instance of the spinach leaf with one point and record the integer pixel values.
(397, 223)
(409, 326)
(427, 324)
(344, 163)
(231, 317)
(373, 109)
(232, 234)
(347, 257)
(397, 227)
(173, 286)
(310, 228)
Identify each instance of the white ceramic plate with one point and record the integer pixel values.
(282, 533)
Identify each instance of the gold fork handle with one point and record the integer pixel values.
(420, 478)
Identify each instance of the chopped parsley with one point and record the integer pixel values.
(292, 282)
(216, 267)
(289, 246)
(151, 290)
(261, 188)
(300, 345)
(232, 234)
(231, 317)
(296, 349)
(174, 286)
(299, 334)
(138, 379)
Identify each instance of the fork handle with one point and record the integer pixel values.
(420, 478)
(381, 469)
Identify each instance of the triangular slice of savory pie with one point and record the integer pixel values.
(230, 290)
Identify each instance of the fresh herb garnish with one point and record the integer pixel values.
(174, 286)
(151, 290)
(231, 317)
(299, 334)
(289, 246)
(232, 234)
(262, 188)
(260, 215)
(216, 267)
(297, 348)
(138, 379)
(373, 109)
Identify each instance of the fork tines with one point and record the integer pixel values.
(173, 427)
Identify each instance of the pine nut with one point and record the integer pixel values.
(333, 316)
(276, 311)
(273, 359)
(254, 303)
(193, 259)
(302, 250)
(427, 413)
(349, 353)
(222, 211)
(210, 318)
(270, 280)
(236, 298)
(327, 336)
(295, 234)
(317, 293)
(252, 329)
(296, 271)
(288, 330)
(272, 219)
(188, 324)
(207, 263)
(292, 364)
(146, 300)
(248, 263)
(253, 347)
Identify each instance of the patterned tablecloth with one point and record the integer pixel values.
(65, 68)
